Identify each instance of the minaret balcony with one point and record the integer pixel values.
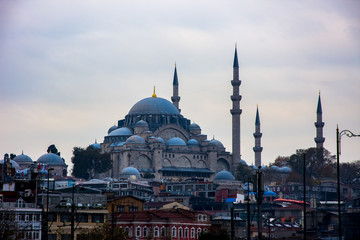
(257, 149)
(175, 98)
(319, 124)
(319, 140)
(235, 111)
(257, 135)
(235, 83)
(236, 98)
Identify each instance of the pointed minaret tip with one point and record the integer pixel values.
(175, 81)
(319, 109)
(154, 94)
(257, 119)
(236, 62)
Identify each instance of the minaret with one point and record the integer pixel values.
(236, 112)
(257, 135)
(319, 124)
(175, 98)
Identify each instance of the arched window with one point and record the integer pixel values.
(138, 232)
(163, 231)
(156, 231)
(180, 232)
(198, 232)
(145, 232)
(186, 233)
(173, 232)
(192, 232)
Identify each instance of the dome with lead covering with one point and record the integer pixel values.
(194, 126)
(135, 139)
(51, 159)
(193, 142)
(175, 141)
(23, 159)
(130, 171)
(217, 143)
(154, 105)
(224, 176)
(13, 164)
(141, 123)
(124, 131)
(112, 128)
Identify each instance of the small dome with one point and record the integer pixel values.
(194, 126)
(285, 170)
(159, 140)
(275, 168)
(175, 141)
(130, 171)
(95, 145)
(112, 129)
(136, 139)
(254, 167)
(124, 131)
(13, 164)
(193, 142)
(224, 176)
(217, 143)
(243, 162)
(141, 123)
(51, 159)
(23, 159)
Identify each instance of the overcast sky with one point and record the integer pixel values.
(70, 69)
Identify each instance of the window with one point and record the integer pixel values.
(173, 232)
(82, 217)
(138, 232)
(65, 217)
(198, 232)
(133, 209)
(186, 232)
(156, 232)
(36, 235)
(120, 208)
(180, 232)
(65, 236)
(145, 232)
(97, 218)
(52, 237)
(204, 218)
(192, 232)
(163, 231)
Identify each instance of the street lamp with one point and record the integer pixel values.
(338, 145)
(73, 211)
(47, 204)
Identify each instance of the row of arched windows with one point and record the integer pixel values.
(178, 232)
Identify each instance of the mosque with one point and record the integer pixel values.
(154, 137)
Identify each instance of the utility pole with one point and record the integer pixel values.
(232, 232)
(260, 193)
(304, 181)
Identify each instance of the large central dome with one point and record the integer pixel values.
(154, 105)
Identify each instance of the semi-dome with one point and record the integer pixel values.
(112, 128)
(141, 123)
(224, 176)
(51, 159)
(23, 159)
(124, 131)
(159, 140)
(217, 143)
(130, 171)
(13, 164)
(243, 162)
(193, 142)
(285, 170)
(154, 105)
(136, 139)
(194, 126)
(95, 145)
(175, 141)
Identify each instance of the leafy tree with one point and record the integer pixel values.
(314, 165)
(243, 173)
(90, 161)
(214, 234)
(281, 161)
(104, 232)
(349, 171)
(53, 149)
(149, 175)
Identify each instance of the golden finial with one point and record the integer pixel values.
(319, 92)
(154, 94)
(235, 44)
(175, 63)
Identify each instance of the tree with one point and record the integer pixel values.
(349, 171)
(243, 173)
(104, 232)
(90, 161)
(214, 234)
(53, 149)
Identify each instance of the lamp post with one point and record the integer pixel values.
(338, 152)
(47, 204)
(73, 211)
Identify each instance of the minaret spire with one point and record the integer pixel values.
(175, 98)
(319, 124)
(257, 135)
(236, 112)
